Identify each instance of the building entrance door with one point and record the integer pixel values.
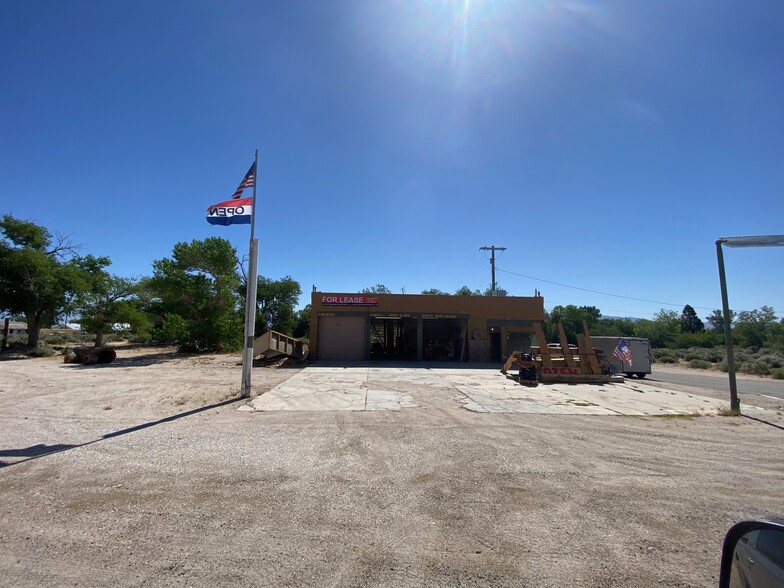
(495, 347)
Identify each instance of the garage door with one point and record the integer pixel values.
(342, 338)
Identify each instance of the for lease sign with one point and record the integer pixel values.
(349, 301)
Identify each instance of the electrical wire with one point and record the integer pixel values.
(598, 292)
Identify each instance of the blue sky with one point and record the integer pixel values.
(607, 145)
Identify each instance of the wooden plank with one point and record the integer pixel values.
(583, 350)
(544, 351)
(565, 346)
(595, 367)
(510, 361)
(572, 375)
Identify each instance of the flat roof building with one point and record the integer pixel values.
(421, 327)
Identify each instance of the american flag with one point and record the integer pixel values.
(623, 352)
(247, 181)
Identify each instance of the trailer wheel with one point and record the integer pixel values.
(629, 374)
(640, 375)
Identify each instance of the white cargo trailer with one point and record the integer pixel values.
(640, 348)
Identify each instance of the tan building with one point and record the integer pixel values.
(358, 327)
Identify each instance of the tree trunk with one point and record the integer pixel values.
(33, 329)
(98, 337)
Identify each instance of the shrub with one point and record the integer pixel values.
(667, 359)
(772, 361)
(173, 329)
(764, 351)
(700, 364)
(706, 339)
(754, 368)
(17, 339)
(81, 337)
(55, 340)
(659, 353)
(777, 374)
(703, 354)
(742, 357)
(139, 338)
(41, 352)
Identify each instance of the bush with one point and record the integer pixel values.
(777, 374)
(173, 329)
(41, 352)
(772, 361)
(764, 351)
(17, 339)
(667, 359)
(55, 339)
(754, 368)
(700, 364)
(659, 353)
(139, 338)
(705, 339)
(703, 354)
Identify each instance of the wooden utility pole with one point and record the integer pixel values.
(492, 249)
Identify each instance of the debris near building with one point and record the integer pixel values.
(90, 355)
(560, 362)
(275, 345)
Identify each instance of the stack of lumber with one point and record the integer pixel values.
(565, 363)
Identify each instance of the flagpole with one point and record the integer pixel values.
(250, 293)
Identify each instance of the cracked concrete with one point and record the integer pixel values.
(371, 388)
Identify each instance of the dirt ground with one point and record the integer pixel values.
(144, 473)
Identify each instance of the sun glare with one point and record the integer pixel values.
(473, 44)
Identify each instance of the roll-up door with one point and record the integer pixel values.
(342, 338)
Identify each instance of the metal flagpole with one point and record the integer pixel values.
(250, 293)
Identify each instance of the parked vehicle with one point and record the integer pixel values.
(640, 349)
(753, 556)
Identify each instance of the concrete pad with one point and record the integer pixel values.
(331, 388)
(497, 393)
(371, 388)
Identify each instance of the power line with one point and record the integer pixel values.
(603, 293)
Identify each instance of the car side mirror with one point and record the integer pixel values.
(753, 555)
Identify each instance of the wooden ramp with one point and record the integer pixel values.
(273, 343)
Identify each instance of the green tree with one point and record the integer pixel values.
(690, 322)
(302, 326)
(751, 326)
(377, 289)
(662, 331)
(498, 292)
(196, 296)
(108, 300)
(613, 327)
(775, 336)
(37, 273)
(276, 300)
(716, 319)
(571, 317)
(435, 291)
(466, 291)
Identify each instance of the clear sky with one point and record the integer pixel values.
(607, 145)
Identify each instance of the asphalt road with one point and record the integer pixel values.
(745, 385)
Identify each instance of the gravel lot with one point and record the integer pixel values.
(113, 475)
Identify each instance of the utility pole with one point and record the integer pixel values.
(492, 249)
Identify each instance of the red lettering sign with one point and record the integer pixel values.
(349, 301)
(561, 371)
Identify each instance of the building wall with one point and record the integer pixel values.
(482, 315)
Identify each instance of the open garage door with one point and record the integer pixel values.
(342, 338)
